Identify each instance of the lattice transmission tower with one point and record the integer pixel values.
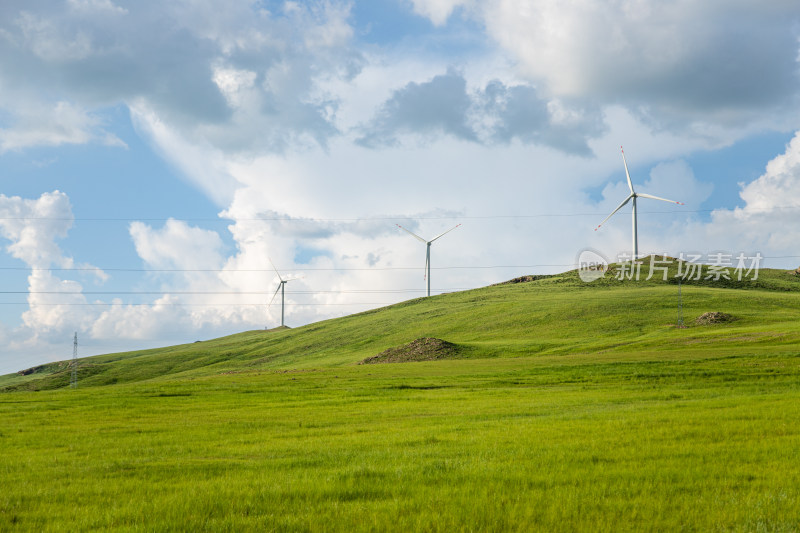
(73, 380)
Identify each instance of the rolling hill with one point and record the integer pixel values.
(557, 315)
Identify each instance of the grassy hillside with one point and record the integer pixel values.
(553, 315)
(571, 407)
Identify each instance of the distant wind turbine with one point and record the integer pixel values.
(428, 252)
(633, 196)
(281, 287)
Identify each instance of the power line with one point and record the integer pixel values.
(236, 293)
(314, 269)
(381, 218)
(152, 304)
(310, 269)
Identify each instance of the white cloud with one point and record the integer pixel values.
(200, 163)
(676, 178)
(200, 289)
(33, 226)
(64, 123)
(177, 246)
(327, 25)
(236, 84)
(438, 11)
(50, 41)
(55, 307)
(175, 60)
(719, 61)
(245, 80)
(768, 220)
(494, 113)
(779, 186)
(163, 318)
(105, 7)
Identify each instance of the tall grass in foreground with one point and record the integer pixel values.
(569, 444)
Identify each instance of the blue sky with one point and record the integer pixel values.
(155, 157)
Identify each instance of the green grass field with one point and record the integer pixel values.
(573, 407)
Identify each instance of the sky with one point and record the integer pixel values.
(158, 158)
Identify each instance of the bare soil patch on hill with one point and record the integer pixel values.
(713, 317)
(423, 349)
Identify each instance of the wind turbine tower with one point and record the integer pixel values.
(281, 287)
(633, 196)
(428, 251)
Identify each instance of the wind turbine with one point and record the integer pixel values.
(633, 196)
(281, 287)
(428, 252)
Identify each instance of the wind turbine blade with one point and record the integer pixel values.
(427, 262)
(446, 232)
(627, 174)
(643, 195)
(420, 239)
(292, 279)
(628, 199)
(275, 294)
(275, 269)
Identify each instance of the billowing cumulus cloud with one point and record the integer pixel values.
(177, 246)
(497, 113)
(243, 78)
(519, 112)
(439, 106)
(779, 186)
(719, 61)
(32, 227)
(673, 63)
(768, 220)
(235, 74)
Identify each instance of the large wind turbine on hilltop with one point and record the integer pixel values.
(633, 196)
(428, 252)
